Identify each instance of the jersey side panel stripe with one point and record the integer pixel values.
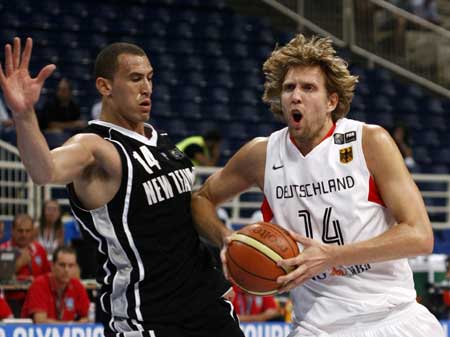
(129, 236)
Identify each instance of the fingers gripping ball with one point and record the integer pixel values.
(252, 257)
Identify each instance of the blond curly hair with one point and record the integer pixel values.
(301, 51)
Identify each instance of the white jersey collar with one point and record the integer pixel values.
(148, 141)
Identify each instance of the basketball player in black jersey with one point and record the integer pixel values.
(130, 189)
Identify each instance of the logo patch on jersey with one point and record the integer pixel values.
(338, 138)
(350, 136)
(346, 155)
(276, 167)
(176, 153)
(38, 260)
(70, 303)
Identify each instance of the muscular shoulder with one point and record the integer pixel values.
(250, 160)
(375, 134)
(253, 152)
(376, 139)
(256, 146)
(89, 140)
(378, 146)
(104, 154)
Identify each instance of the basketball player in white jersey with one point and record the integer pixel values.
(342, 189)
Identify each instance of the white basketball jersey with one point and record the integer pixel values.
(328, 195)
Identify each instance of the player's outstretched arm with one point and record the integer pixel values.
(243, 170)
(21, 92)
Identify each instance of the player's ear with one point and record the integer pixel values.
(104, 86)
(333, 100)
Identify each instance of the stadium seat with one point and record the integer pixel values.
(188, 93)
(190, 111)
(162, 109)
(236, 131)
(219, 95)
(219, 113)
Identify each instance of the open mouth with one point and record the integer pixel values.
(297, 116)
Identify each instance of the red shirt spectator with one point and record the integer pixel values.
(32, 259)
(5, 310)
(58, 296)
(252, 308)
(38, 264)
(72, 304)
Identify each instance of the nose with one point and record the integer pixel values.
(147, 87)
(296, 95)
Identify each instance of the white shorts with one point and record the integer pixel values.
(413, 321)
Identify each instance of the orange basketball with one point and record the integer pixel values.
(252, 257)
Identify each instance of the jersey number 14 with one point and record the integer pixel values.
(331, 230)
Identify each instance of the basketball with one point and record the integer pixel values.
(252, 257)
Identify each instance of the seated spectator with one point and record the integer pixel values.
(426, 9)
(202, 150)
(61, 113)
(50, 227)
(401, 137)
(5, 310)
(32, 260)
(250, 308)
(58, 296)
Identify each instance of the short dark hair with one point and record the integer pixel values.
(63, 249)
(107, 60)
(20, 217)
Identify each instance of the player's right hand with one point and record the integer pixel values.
(21, 92)
(223, 256)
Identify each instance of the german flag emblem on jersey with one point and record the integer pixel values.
(346, 155)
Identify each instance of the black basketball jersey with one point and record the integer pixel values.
(152, 265)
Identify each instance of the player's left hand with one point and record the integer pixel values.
(315, 258)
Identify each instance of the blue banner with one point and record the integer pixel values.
(275, 329)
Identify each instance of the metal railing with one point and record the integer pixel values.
(380, 32)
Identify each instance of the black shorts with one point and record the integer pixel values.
(217, 319)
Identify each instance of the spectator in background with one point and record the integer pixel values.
(401, 137)
(50, 226)
(426, 9)
(5, 310)
(202, 150)
(61, 113)
(58, 296)
(251, 308)
(32, 260)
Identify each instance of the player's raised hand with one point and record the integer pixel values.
(21, 92)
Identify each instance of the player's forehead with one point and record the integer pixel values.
(305, 74)
(131, 63)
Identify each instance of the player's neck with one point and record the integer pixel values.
(138, 127)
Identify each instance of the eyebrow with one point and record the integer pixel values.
(140, 73)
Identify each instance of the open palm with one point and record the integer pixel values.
(21, 92)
